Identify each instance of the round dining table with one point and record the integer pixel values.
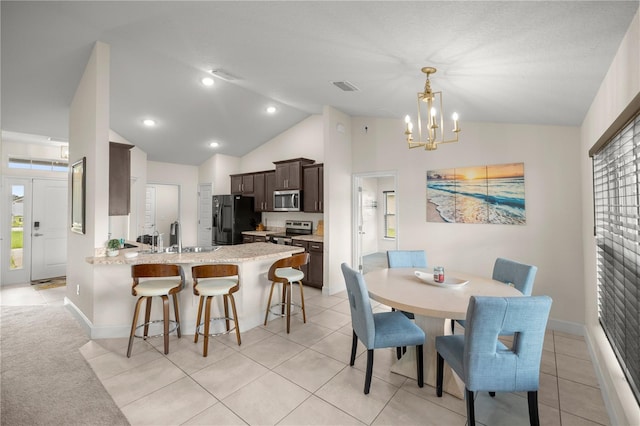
(434, 306)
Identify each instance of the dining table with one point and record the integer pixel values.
(434, 306)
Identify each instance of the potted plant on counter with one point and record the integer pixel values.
(113, 247)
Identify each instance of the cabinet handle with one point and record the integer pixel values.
(320, 204)
(315, 205)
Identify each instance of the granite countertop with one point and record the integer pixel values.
(262, 233)
(232, 254)
(311, 238)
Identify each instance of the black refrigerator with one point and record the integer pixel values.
(232, 214)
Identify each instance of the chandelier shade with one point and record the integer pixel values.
(430, 121)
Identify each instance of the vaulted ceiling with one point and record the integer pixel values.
(517, 62)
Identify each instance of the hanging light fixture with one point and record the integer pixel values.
(430, 113)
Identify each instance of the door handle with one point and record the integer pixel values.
(37, 235)
(208, 229)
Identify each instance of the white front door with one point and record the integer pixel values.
(49, 229)
(205, 214)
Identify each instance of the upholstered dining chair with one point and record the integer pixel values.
(510, 272)
(379, 330)
(486, 364)
(406, 259)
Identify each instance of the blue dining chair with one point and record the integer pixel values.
(379, 330)
(406, 259)
(510, 272)
(486, 364)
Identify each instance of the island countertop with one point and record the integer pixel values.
(225, 254)
(106, 305)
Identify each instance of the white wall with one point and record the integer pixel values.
(89, 137)
(337, 197)
(18, 149)
(187, 178)
(216, 171)
(620, 86)
(304, 140)
(550, 239)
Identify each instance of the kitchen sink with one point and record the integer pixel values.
(199, 249)
(192, 249)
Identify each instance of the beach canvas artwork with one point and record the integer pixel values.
(483, 194)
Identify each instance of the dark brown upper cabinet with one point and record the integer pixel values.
(289, 173)
(313, 178)
(119, 179)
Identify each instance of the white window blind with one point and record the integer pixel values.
(617, 225)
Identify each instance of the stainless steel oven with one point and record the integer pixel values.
(292, 228)
(287, 201)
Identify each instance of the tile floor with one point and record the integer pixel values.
(304, 377)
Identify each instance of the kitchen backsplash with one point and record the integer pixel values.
(277, 219)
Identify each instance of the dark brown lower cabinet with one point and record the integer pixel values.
(253, 239)
(313, 272)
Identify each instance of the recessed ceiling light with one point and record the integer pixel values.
(149, 122)
(214, 144)
(207, 81)
(271, 109)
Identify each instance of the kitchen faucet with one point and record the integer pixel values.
(175, 230)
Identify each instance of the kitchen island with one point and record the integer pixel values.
(113, 303)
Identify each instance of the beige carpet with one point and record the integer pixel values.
(45, 380)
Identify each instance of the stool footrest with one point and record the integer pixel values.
(200, 327)
(173, 326)
(295, 309)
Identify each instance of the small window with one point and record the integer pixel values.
(389, 214)
(33, 164)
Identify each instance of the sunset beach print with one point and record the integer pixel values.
(484, 194)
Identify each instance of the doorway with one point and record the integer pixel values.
(375, 219)
(162, 209)
(36, 220)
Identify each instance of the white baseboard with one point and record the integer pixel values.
(566, 327)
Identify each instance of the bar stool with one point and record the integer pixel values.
(151, 286)
(287, 271)
(210, 281)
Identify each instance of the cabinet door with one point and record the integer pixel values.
(236, 184)
(259, 199)
(282, 176)
(247, 184)
(259, 239)
(310, 199)
(303, 268)
(269, 187)
(119, 179)
(313, 188)
(315, 264)
(295, 180)
(321, 188)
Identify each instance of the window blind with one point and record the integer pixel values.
(616, 170)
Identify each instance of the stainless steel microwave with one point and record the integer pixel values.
(287, 201)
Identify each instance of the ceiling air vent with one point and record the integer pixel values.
(220, 73)
(345, 86)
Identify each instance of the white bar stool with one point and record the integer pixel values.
(150, 286)
(287, 271)
(210, 281)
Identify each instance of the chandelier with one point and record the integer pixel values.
(432, 117)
